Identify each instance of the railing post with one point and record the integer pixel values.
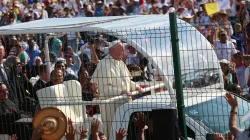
(177, 75)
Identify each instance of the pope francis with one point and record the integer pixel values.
(113, 79)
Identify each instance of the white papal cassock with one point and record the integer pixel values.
(112, 77)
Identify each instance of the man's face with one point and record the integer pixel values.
(132, 50)
(57, 77)
(164, 9)
(52, 59)
(118, 52)
(61, 66)
(68, 59)
(2, 52)
(223, 38)
(83, 76)
(45, 76)
(188, 20)
(99, 5)
(38, 62)
(3, 92)
(103, 137)
(19, 68)
(31, 44)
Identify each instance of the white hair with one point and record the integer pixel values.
(37, 58)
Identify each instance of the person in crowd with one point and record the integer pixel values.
(227, 76)
(21, 54)
(56, 47)
(89, 91)
(22, 86)
(44, 13)
(165, 8)
(99, 11)
(35, 67)
(6, 73)
(42, 56)
(9, 113)
(246, 60)
(32, 52)
(239, 67)
(224, 23)
(44, 78)
(72, 38)
(56, 77)
(67, 76)
(113, 66)
(238, 36)
(70, 57)
(239, 134)
(224, 49)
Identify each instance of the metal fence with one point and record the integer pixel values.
(168, 60)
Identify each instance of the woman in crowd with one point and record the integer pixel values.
(89, 91)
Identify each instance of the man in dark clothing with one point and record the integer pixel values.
(67, 76)
(9, 113)
(21, 85)
(41, 83)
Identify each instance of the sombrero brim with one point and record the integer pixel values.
(51, 112)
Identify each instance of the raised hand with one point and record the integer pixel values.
(218, 136)
(121, 133)
(13, 137)
(70, 134)
(83, 133)
(95, 126)
(232, 101)
(140, 121)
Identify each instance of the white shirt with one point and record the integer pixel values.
(246, 76)
(233, 9)
(242, 135)
(132, 59)
(112, 77)
(4, 73)
(224, 50)
(33, 80)
(44, 14)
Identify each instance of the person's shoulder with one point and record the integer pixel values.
(216, 42)
(242, 134)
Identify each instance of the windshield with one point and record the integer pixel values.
(200, 78)
(214, 114)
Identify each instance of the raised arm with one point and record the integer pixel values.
(232, 101)
(140, 125)
(77, 61)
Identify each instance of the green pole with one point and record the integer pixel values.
(177, 75)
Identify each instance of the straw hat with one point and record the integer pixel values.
(187, 15)
(17, 4)
(54, 123)
(224, 61)
(222, 11)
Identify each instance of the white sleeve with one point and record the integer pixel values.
(246, 76)
(234, 51)
(242, 135)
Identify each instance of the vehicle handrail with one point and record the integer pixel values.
(98, 102)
